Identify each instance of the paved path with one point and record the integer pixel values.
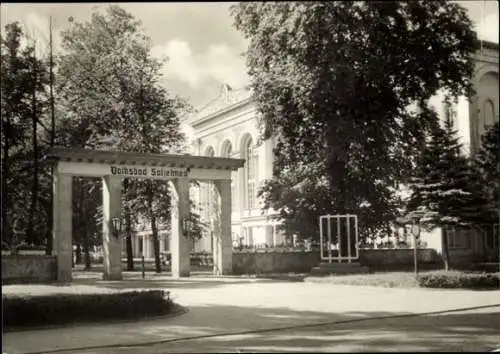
(235, 305)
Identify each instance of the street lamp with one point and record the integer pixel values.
(415, 231)
(116, 225)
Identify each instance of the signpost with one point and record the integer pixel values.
(415, 231)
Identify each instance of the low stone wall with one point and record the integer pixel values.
(301, 261)
(274, 262)
(396, 256)
(28, 268)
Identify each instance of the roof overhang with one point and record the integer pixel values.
(95, 163)
(140, 159)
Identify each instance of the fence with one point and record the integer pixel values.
(339, 237)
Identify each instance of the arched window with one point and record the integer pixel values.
(489, 114)
(227, 151)
(487, 104)
(250, 179)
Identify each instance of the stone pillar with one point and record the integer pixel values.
(62, 229)
(111, 200)
(223, 242)
(179, 244)
(274, 235)
(147, 246)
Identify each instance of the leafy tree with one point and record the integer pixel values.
(333, 81)
(23, 85)
(109, 87)
(87, 216)
(442, 192)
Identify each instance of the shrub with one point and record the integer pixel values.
(449, 280)
(56, 309)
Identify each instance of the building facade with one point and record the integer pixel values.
(228, 127)
(472, 118)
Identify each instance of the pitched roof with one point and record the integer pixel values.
(227, 97)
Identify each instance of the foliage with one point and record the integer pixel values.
(121, 106)
(460, 280)
(487, 168)
(442, 190)
(23, 107)
(56, 309)
(333, 81)
(196, 226)
(87, 214)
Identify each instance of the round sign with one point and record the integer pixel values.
(415, 229)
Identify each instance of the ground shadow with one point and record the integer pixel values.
(198, 279)
(351, 332)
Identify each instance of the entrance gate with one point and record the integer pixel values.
(112, 166)
(339, 238)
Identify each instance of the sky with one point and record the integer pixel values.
(203, 47)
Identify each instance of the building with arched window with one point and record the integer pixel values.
(229, 126)
(471, 119)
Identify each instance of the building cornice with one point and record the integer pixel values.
(200, 120)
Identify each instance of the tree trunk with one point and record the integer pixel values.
(130, 255)
(78, 255)
(128, 229)
(86, 250)
(6, 231)
(154, 228)
(85, 233)
(34, 191)
(445, 249)
(50, 241)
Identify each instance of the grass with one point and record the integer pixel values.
(387, 280)
(430, 279)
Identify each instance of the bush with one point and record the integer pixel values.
(56, 309)
(450, 280)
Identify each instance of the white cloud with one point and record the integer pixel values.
(219, 62)
(488, 29)
(36, 30)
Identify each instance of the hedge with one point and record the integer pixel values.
(57, 309)
(454, 279)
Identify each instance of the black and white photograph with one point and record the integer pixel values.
(250, 177)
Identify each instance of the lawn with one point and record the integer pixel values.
(387, 279)
(429, 279)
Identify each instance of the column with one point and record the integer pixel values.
(136, 252)
(62, 228)
(179, 246)
(224, 244)
(147, 244)
(111, 200)
(268, 231)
